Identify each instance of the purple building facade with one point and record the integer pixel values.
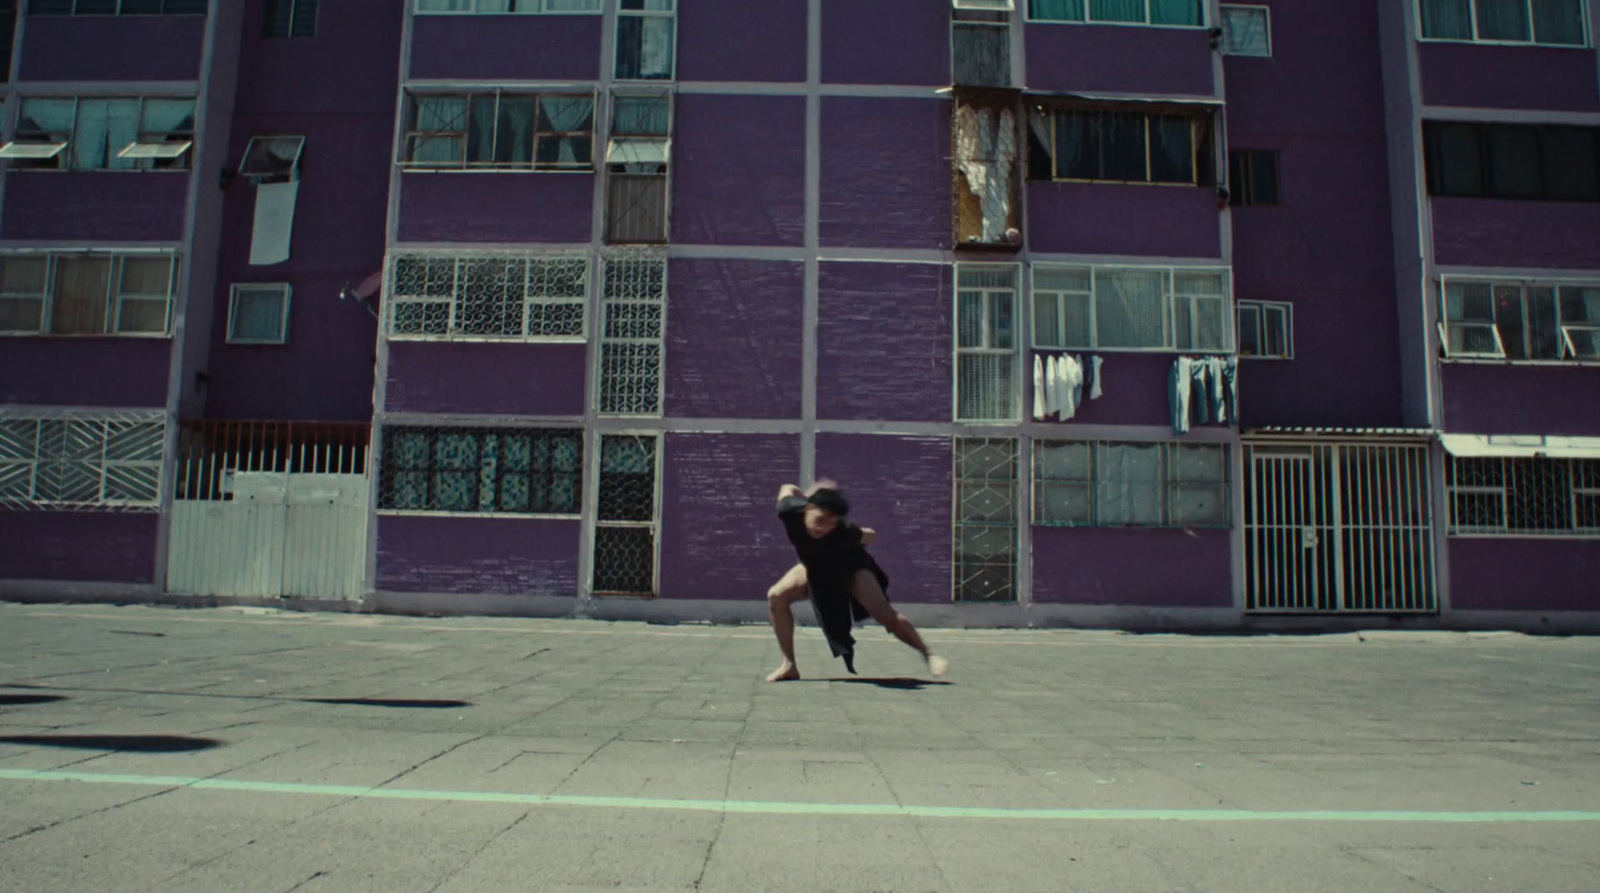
(1101, 313)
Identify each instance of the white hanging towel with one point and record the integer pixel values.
(1070, 377)
(1052, 394)
(1094, 389)
(1038, 388)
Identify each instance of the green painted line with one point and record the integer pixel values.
(780, 807)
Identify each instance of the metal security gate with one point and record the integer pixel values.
(270, 510)
(1338, 528)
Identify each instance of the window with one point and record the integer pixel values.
(1246, 30)
(1130, 308)
(980, 54)
(94, 133)
(1502, 496)
(272, 159)
(290, 18)
(1110, 484)
(1266, 330)
(633, 310)
(500, 130)
(526, 471)
(1130, 12)
(636, 169)
(646, 39)
(1552, 22)
(988, 179)
(986, 520)
(88, 293)
(1119, 146)
(116, 7)
(502, 7)
(80, 460)
(985, 5)
(259, 314)
(1470, 160)
(1252, 178)
(625, 518)
(513, 297)
(1521, 320)
(986, 342)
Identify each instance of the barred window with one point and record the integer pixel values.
(1521, 320)
(1129, 484)
(986, 520)
(986, 342)
(80, 460)
(86, 293)
(498, 129)
(1131, 308)
(633, 305)
(514, 297)
(532, 471)
(1495, 495)
(625, 518)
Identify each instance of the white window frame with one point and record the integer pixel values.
(986, 337)
(1228, 47)
(146, 146)
(536, 7)
(1262, 311)
(623, 148)
(1087, 20)
(1472, 16)
(533, 164)
(21, 456)
(1169, 308)
(985, 5)
(454, 329)
(272, 176)
(282, 288)
(608, 303)
(1576, 487)
(1170, 483)
(115, 295)
(1569, 354)
(616, 44)
(653, 525)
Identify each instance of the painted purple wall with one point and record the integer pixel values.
(855, 51)
(720, 536)
(503, 556)
(124, 207)
(900, 487)
(736, 40)
(122, 372)
(739, 170)
(1122, 566)
(733, 339)
(1484, 232)
(50, 546)
(1495, 398)
(1119, 59)
(1105, 218)
(485, 377)
(474, 207)
(1509, 77)
(340, 216)
(884, 341)
(505, 47)
(112, 48)
(885, 172)
(1134, 391)
(1524, 574)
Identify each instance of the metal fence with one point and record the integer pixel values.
(1524, 496)
(212, 452)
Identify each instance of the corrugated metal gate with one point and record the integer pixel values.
(271, 510)
(1338, 528)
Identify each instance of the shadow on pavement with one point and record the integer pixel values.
(7, 700)
(901, 682)
(122, 743)
(134, 632)
(385, 702)
(413, 703)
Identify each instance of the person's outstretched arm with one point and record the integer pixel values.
(788, 490)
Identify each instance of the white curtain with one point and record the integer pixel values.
(1058, 10)
(1128, 484)
(1116, 10)
(1130, 308)
(1447, 19)
(439, 114)
(1558, 21)
(1502, 19)
(105, 127)
(1174, 12)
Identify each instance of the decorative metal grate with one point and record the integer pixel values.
(210, 453)
(633, 307)
(625, 528)
(488, 296)
(534, 471)
(986, 520)
(1541, 497)
(81, 460)
(986, 342)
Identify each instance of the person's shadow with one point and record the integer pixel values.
(901, 682)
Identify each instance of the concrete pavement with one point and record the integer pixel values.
(247, 749)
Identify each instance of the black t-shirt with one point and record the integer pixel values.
(830, 561)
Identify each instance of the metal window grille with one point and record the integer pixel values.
(481, 470)
(1132, 308)
(519, 297)
(980, 54)
(211, 453)
(985, 538)
(633, 309)
(625, 518)
(1524, 496)
(986, 342)
(81, 460)
(1118, 484)
(1338, 528)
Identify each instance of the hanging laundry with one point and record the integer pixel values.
(1080, 380)
(1094, 367)
(1068, 387)
(1178, 394)
(1230, 375)
(1038, 388)
(1215, 388)
(1052, 399)
(1199, 387)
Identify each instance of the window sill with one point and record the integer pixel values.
(1189, 185)
(20, 169)
(449, 14)
(1174, 352)
(490, 339)
(1538, 364)
(434, 513)
(423, 169)
(1261, 356)
(1525, 535)
(1032, 21)
(133, 336)
(1584, 47)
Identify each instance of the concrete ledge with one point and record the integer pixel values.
(1559, 623)
(60, 592)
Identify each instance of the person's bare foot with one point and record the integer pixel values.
(785, 672)
(937, 665)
